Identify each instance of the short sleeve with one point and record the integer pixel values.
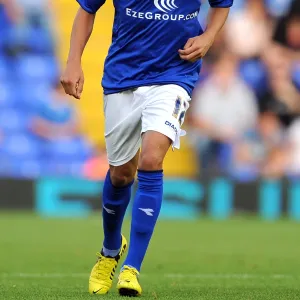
(91, 6)
(221, 3)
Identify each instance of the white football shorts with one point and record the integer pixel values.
(131, 113)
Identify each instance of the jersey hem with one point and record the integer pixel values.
(221, 6)
(186, 87)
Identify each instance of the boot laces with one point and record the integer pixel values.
(105, 266)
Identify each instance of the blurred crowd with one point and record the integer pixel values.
(244, 118)
(39, 127)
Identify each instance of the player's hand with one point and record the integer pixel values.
(72, 80)
(196, 47)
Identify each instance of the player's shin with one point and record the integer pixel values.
(146, 208)
(115, 202)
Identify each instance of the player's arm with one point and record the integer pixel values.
(197, 47)
(73, 79)
(13, 10)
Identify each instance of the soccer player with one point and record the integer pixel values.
(150, 71)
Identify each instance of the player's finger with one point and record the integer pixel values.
(190, 56)
(66, 87)
(196, 58)
(79, 87)
(70, 87)
(189, 43)
(188, 51)
(63, 83)
(197, 54)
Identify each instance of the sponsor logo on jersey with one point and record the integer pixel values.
(165, 7)
(172, 126)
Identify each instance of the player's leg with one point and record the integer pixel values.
(123, 142)
(162, 119)
(115, 199)
(148, 199)
(146, 208)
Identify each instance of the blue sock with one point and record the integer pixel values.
(115, 202)
(145, 211)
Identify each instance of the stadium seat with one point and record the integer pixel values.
(27, 168)
(7, 96)
(77, 169)
(4, 73)
(13, 120)
(64, 158)
(30, 95)
(68, 150)
(4, 33)
(6, 165)
(20, 146)
(40, 41)
(62, 168)
(37, 68)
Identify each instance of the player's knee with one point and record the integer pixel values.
(150, 162)
(121, 176)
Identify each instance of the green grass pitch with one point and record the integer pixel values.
(241, 259)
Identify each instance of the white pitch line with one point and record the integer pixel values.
(230, 276)
(43, 275)
(167, 275)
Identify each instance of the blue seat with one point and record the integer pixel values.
(13, 120)
(30, 95)
(47, 167)
(5, 29)
(20, 169)
(37, 68)
(28, 168)
(6, 164)
(84, 150)
(7, 96)
(20, 146)
(70, 169)
(77, 169)
(4, 71)
(59, 167)
(40, 41)
(69, 150)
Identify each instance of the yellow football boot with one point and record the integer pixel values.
(104, 270)
(128, 284)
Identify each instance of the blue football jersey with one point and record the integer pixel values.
(147, 35)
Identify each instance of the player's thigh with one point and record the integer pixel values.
(122, 127)
(165, 112)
